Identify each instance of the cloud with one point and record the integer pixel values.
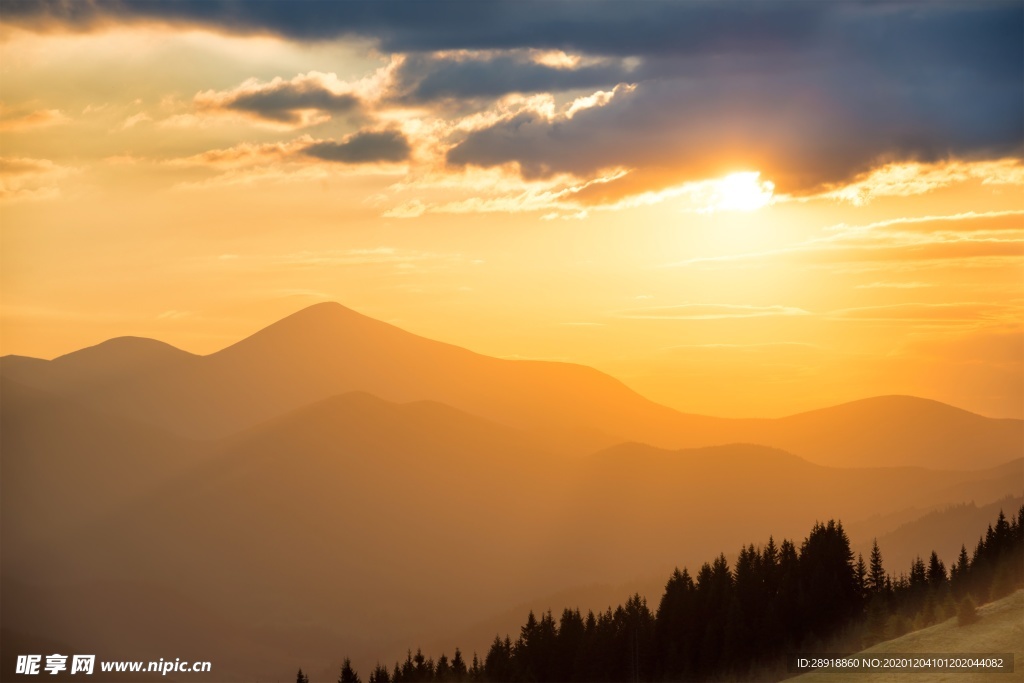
(28, 179)
(800, 128)
(709, 312)
(908, 179)
(395, 260)
(616, 27)
(135, 120)
(428, 77)
(363, 147)
(303, 158)
(1009, 219)
(246, 154)
(965, 237)
(894, 285)
(12, 119)
(305, 100)
(812, 95)
(967, 312)
(174, 315)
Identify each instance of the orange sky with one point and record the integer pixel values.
(143, 192)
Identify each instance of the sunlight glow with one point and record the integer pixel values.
(741, 191)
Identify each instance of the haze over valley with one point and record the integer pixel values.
(335, 479)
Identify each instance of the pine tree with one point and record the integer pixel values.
(380, 674)
(348, 674)
(861, 574)
(424, 668)
(936, 571)
(827, 579)
(476, 672)
(301, 677)
(443, 671)
(876, 573)
(918, 573)
(459, 671)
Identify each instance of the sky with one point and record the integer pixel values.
(736, 208)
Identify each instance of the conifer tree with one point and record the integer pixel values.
(876, 573)
(861, 572)
(348, 674)
(936, 571)
(459, 671)
(443, 670)
(379, 674)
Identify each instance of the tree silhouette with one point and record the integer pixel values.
(379, 674)
(348, 674)
(875, 579)
(459, 671)
(443, 670)
(827, 579)
(731, 623)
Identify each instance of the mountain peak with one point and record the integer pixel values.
(124, 351)
(318, 329)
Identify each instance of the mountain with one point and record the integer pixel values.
(65, 465)
(367, 525)
(943, 530)
(893, 430)
(326, 350)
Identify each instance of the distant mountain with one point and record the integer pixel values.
(375, 525)
(65, 465)
(326, 350)
(893, 430)
(943, 530)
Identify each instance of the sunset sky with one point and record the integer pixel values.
(741, 209)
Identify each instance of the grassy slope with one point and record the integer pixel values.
(999, 630)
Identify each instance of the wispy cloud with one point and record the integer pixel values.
(963, 312)
(305, 100)
(27, 179)
(12, 119)
(708, 312)
(303, 158)
(894, 285)
(134, 120)
(362, 148)
(394, 258)
(969, 235)
(913, 178)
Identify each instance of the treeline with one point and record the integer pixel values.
(743, 620)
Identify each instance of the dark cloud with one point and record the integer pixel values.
(804, 123)
(362, 148)
(282, 103)
(426, 77)
(807, 91)
(620, 27)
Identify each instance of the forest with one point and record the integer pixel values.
(741, 621)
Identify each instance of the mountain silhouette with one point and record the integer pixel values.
(327, 349)
(380, 524)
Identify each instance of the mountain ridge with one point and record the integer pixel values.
(327, 349)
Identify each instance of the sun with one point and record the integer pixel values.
(741, 191)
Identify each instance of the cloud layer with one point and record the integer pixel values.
(811, 94)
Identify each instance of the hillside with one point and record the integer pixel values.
(1000, 629)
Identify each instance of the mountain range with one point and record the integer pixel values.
(327, 349)
(334, 485)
